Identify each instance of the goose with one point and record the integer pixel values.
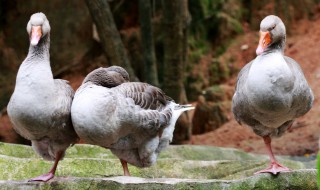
(271, 90)
(39, 107)
(133, 119)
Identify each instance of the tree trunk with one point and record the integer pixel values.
(109, 35)
(175, 24)
(150, 65)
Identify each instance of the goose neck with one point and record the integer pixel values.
(41, 50)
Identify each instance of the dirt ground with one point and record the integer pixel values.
(302, 138)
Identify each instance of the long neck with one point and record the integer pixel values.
(41, 50)
(35, 71)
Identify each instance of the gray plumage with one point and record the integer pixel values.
(271, 91)
(126, 117)
(40, 106)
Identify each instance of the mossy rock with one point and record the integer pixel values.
(178, 167)
(297, 180)
(213, 108)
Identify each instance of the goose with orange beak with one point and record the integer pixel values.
(40, 105)
(271, 90)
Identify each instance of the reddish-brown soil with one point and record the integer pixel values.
(302, 138)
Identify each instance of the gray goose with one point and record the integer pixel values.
(271, 90)
(134, 120)
(40, 106)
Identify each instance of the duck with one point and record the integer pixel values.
(271, 91)
(40, 106)
(135, 120)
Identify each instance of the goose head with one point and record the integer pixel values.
(108, 77)
(117, 69)
(272, 34)
(37, 28)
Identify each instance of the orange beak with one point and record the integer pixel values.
(35, 36)
(264, 41)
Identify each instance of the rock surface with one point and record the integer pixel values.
(179, 167)
(213, 109)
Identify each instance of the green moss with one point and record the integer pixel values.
(219, 71)
(232, 22)
(89, 151)
(12, 168)
(87, 166)
(294, 180)
(209, 153)
(15, 150)
(214, 94)
(197, 48)
(318, 167)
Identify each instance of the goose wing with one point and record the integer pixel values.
(302, 94)
(145, 95)
(240, 100)
(64, 96)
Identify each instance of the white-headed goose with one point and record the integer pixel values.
(40, 106)
(271, 91)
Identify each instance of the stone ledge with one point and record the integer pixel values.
(178, 167)
(298, 179)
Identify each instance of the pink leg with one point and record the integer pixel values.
(274, 167)
(290, 126)
(125, 167)
(46, 177)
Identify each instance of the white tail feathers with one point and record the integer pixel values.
(183, 108)
(186, 106)
(177, 111)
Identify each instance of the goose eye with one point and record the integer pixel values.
(272, 27)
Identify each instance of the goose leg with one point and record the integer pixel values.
(46, 177)
(274, 167)
(125, 167)
(289, 126)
